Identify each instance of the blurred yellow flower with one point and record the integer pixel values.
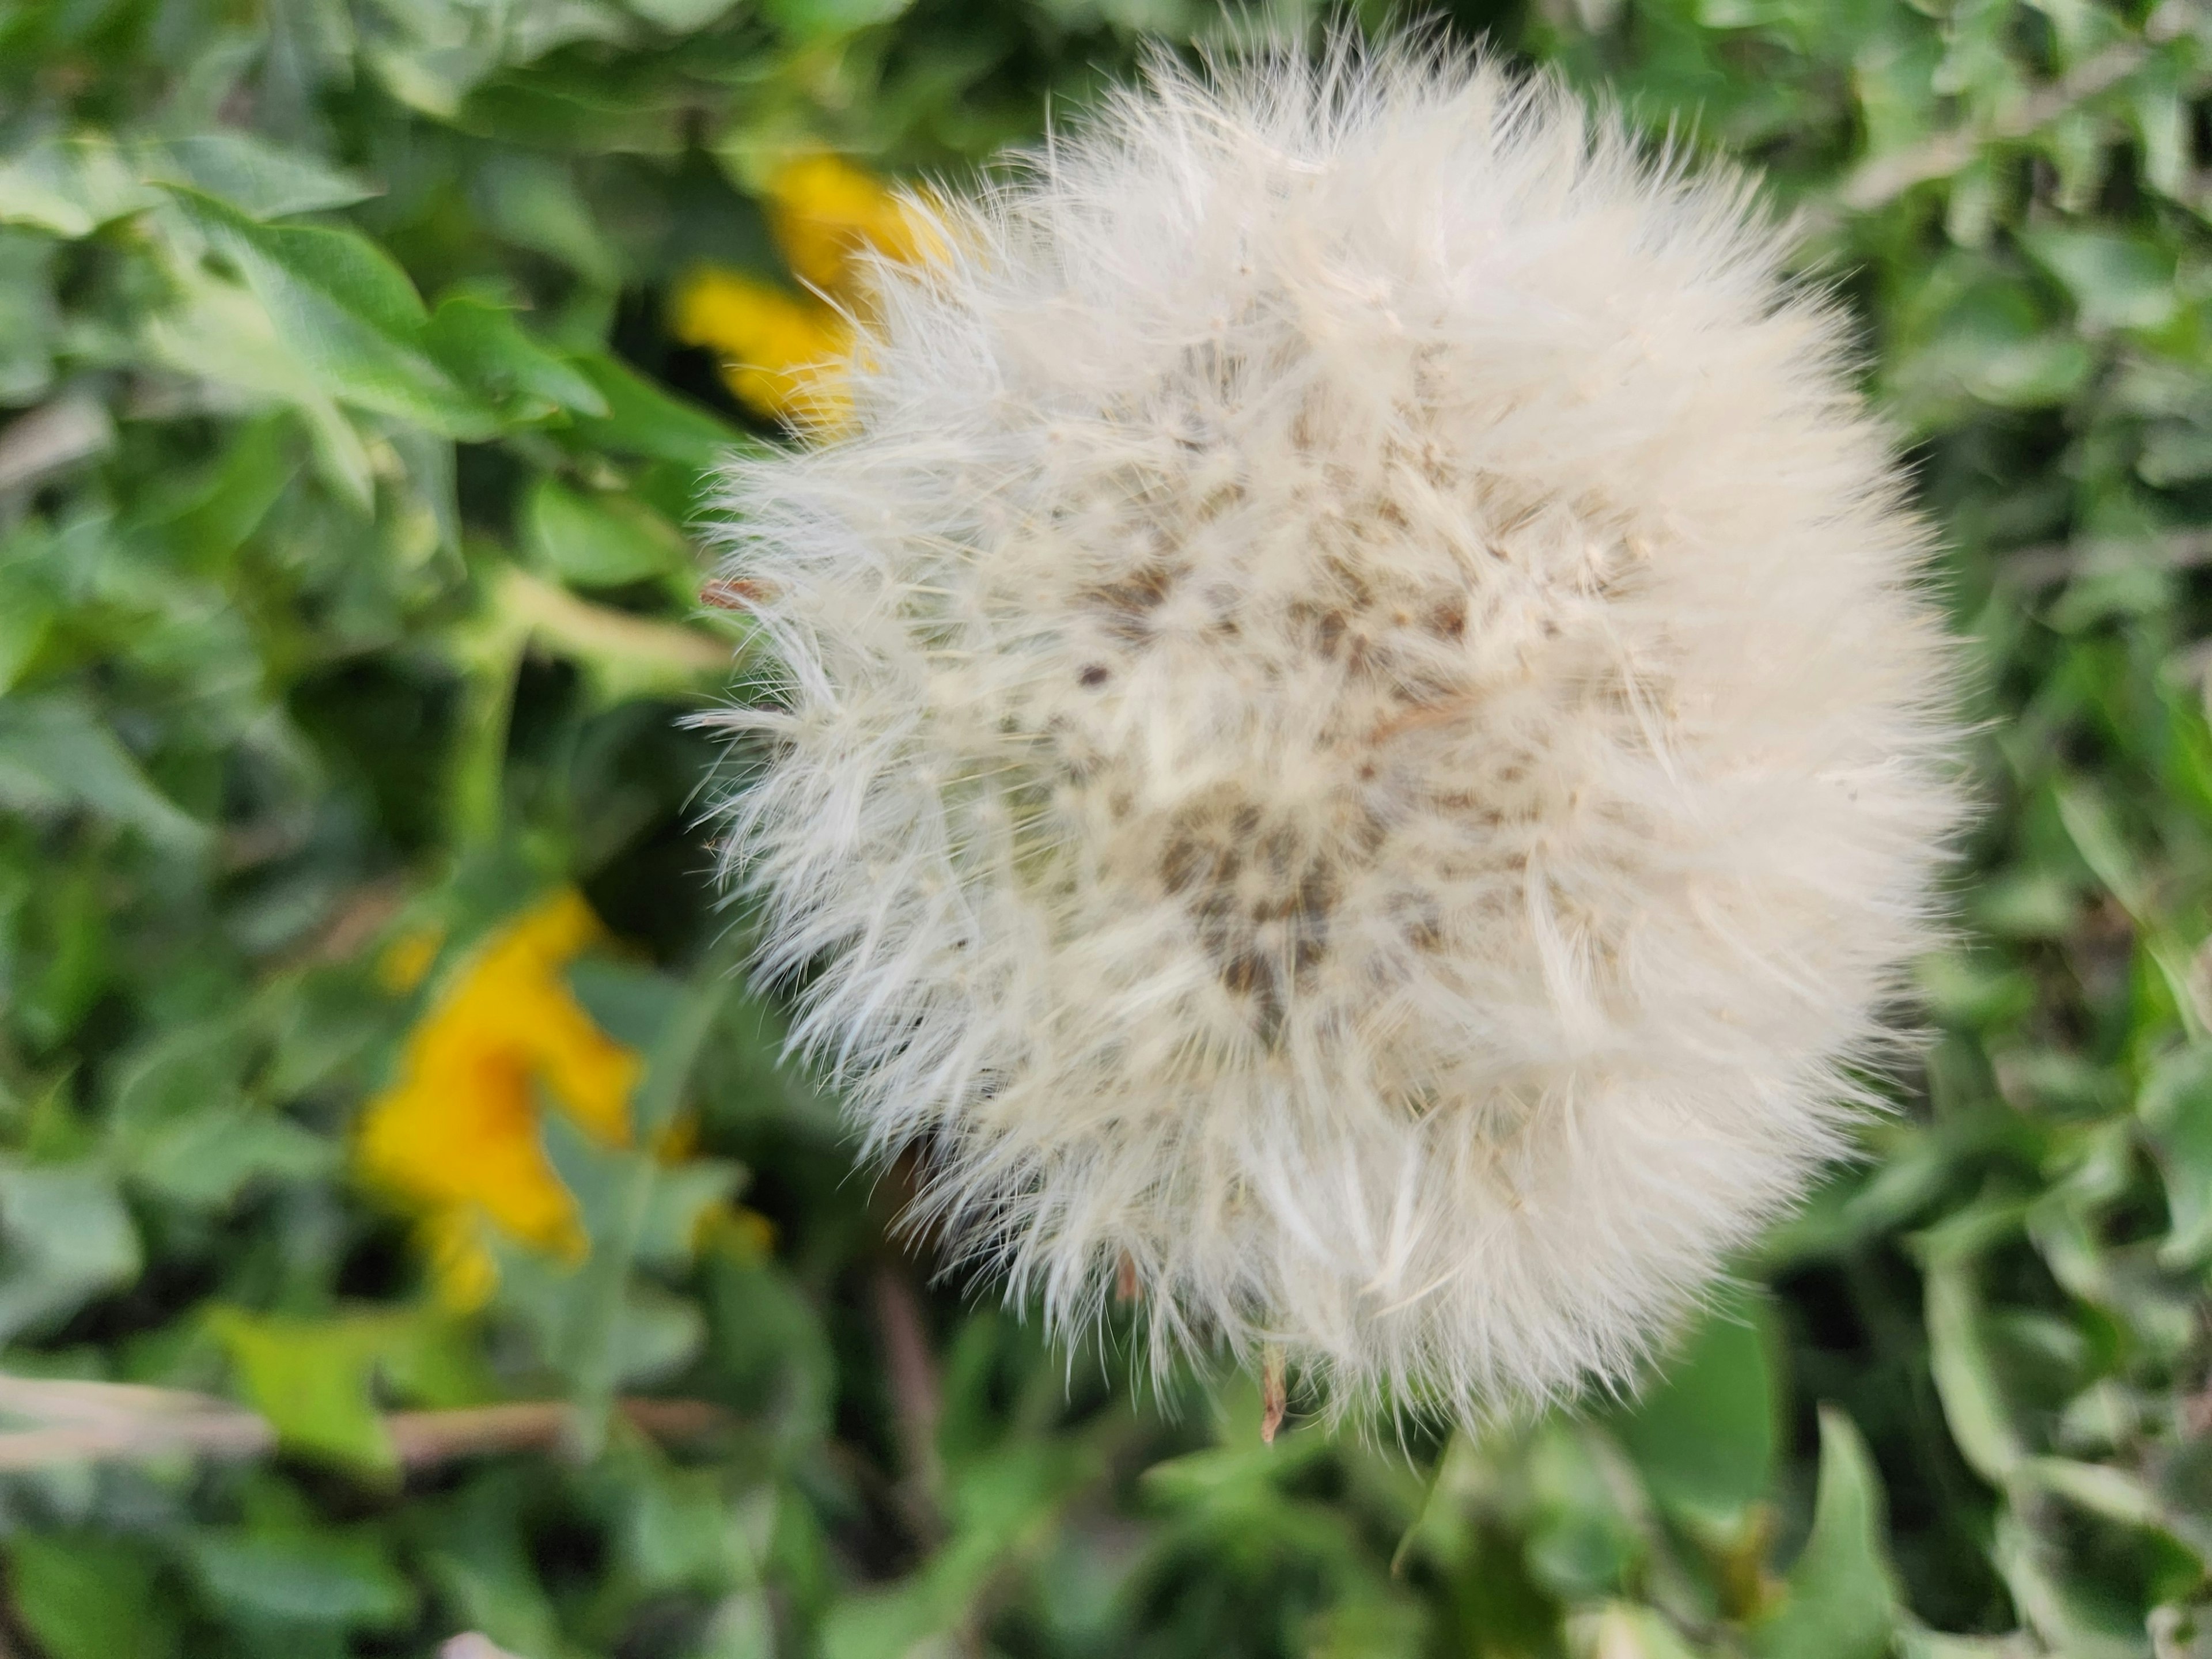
(823, 210)
(782, 352)
(456, 1136)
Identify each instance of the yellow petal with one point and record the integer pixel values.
(462, 1270)
(824, 211)
(782, 355)
(459, 1132)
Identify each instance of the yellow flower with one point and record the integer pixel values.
(823, 210)
(782, 355)
(456, 1136)
(782, 352)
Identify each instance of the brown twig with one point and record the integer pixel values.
(75, 1422)
(917, 1395)
(1884, 178)
(54, 436)
(2041, 566)
(425, 1438)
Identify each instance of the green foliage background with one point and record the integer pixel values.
(345, 469)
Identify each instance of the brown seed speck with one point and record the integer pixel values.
(739, 594)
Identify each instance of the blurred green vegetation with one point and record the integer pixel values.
(346, 613)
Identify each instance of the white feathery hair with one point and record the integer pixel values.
(1357, 741)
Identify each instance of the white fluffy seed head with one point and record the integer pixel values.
(1357, 744)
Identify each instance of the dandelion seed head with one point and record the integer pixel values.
(1357, 744)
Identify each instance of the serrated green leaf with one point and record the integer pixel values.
(56, 755)
(1840, 1602)
(314, 1380)
(260, 179)
(219, 331)
(347, 310)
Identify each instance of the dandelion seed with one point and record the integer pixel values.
(1359, 742)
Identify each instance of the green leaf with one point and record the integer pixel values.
(1989, 341)
(83, 1596)
(769, 1342)
(301, 1578)
(347, 310)
(1374, 1626)
(681, 16)
(1704, 1434)
(56, 755)
(260, 179)
(478, 1562)
(632, 1003)
(69, 1239)
(30, 322)
(1840, 1603)
(1959, 1353)
(214, 521)
(644, 421)
(2117, 281)
(532, 201)
(1581, 1544)
(313, 1379)
(812, 20)
(1006, 1506)
(480, 343)
(179, 1123)
(2089, 821)
(207, 1159)
(602, 541)
(69, 187)
(2175, 1107)
(218, 331)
